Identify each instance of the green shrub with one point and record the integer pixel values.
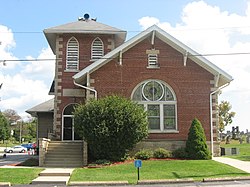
(111, 126)
(103, 162)
(196, 145)
(180, 153)
(161, 153)
(144, 154)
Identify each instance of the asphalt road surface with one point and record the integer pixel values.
(14, 158)
(197, 184)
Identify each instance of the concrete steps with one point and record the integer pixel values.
(64, 154)
(53, 176)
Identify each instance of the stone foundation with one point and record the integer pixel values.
(170, 145)
(154, 144)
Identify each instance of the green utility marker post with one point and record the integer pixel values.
(138, 164)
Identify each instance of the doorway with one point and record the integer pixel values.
(68, 124)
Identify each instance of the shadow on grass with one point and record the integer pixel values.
(30, 162)
(176, 175)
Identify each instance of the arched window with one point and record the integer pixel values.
(97, 49)
(72, 58)
(159, 100)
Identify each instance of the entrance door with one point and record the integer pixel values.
(67, 128)
(68, 124)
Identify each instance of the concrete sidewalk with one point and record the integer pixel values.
(55, 176)
(242, 165)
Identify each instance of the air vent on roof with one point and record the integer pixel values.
(86, 16)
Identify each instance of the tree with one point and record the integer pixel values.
(31, 126)
(111, 126)
(4, 128)
(29, 130)
(225, 115)
(196, 146)
(11, 115)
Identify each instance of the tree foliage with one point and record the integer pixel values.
(4, 128)
(225, 115)
(196, 146)
(111, 126)
(11, 115)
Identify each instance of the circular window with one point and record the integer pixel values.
(153, 91)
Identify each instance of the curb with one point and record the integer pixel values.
(100, 183)
(225, 179)
(5, 184)
(166, 181)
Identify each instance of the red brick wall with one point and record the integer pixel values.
(85, 42)
(191, 83)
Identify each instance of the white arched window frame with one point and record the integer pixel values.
(159, 100)
(72, 58)
(97, 49)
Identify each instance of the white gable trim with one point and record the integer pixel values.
(167, 38)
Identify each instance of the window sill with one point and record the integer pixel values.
(93, 60)
(153, 67)
(67, 70)
(163, 132)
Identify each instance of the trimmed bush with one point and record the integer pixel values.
(196, 146)
(161, 153)
(180, 153)
(111, 126)
(144, 154)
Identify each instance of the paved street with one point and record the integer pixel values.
(198, 184)
(14, 158)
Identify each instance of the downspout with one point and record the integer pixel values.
(87, 87)
(211, 116)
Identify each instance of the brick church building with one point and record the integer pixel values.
(173, 82)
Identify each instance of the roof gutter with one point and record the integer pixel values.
(87, 87)
(211, 116)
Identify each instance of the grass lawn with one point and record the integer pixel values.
(244, 150)
(174, 169)
(18, 175)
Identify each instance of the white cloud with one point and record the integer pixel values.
(208, 30)
(44, 67)
(147, 21)
(7, 43)
(25, 84)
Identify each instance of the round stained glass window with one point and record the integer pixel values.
(153, 91)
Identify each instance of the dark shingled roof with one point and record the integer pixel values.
(47, 106)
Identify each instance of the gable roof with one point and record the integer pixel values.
(82, 26)
(170, 40)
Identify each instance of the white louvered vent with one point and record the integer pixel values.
(72, 55)
(97, 49)
(152, 60)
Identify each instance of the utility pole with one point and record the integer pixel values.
(20, 123)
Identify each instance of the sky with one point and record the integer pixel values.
(217, 27)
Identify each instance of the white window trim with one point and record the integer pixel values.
(161, 103)
(67, 57)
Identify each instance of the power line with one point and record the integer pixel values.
(135, 57)
(134, 31)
